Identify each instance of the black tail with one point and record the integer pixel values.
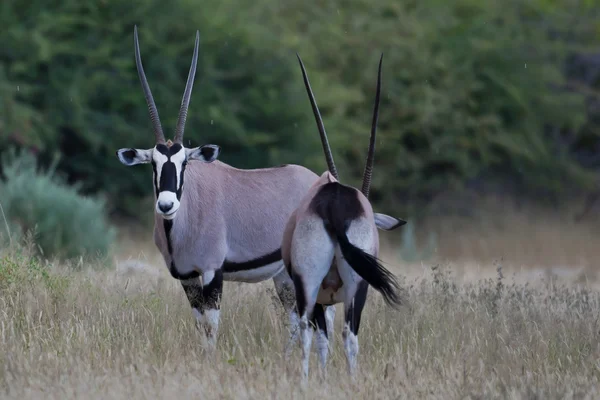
(338, 205)
(370, 269)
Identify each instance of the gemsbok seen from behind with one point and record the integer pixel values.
(336, 222)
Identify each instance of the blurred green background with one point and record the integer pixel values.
(499, 97)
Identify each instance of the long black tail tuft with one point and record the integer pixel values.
(338, 205)
(370, 269)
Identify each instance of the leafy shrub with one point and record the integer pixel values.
(64, 223)
(474, 91)
(69, 85)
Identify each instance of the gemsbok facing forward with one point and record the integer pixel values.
(227, 224)
(336, 220)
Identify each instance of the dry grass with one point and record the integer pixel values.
(129, 333)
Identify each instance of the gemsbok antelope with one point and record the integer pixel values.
(227, 224)
(336, 222)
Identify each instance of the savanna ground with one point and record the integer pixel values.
(506, 308)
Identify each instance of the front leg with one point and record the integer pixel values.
(212, 290)
(205, 300)
(193, 291)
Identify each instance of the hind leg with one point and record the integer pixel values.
(353, 311)
(319, 321)
(355, 296)
(329, 320)
(307, 289)
(285, 291)
(311, 256)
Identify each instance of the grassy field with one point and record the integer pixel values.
(472, 327)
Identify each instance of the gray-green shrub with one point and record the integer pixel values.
(64, 223)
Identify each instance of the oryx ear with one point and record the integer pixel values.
(134, 156)
(207, 153)
(387, 223)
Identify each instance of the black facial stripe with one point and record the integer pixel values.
(230, 266)
(168, 177)
(168, 173)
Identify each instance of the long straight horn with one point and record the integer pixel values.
(158, 132)
(185, 102)
(366, 187)
(324, 141)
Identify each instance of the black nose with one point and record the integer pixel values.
(165, 207)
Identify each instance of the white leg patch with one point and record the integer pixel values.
(329, 320)
(211, 327)
(208, 324)
(351, 348)
(307, 333)
(322, 348)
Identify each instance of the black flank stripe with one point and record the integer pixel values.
(229, 266)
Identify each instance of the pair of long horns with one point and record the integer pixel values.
(185, 102)
(366, 186)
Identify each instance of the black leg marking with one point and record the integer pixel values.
(318, 318)
(193, 291)
(300, 297)
(212, 292)
(354, 312)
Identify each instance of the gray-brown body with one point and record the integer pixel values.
(232, 215)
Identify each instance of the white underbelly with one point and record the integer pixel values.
(255, 275)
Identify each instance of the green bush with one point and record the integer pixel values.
(474, 91)
(64, 223)
(69, 85)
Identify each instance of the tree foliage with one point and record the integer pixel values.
(473, 91)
